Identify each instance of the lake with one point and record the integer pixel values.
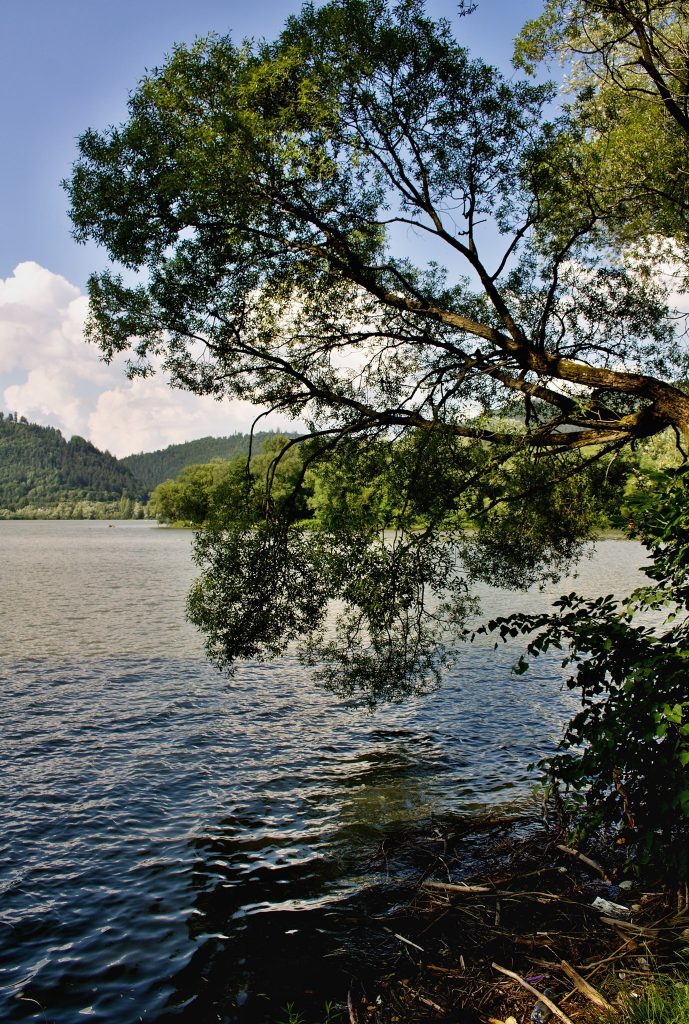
(177, 847)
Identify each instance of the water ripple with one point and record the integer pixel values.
(171, 844)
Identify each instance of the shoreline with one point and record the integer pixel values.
(499, 911)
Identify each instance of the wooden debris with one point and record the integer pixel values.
(350, 1009)
(457, 887)
(408, 942)
(682, 898)
(553, 1007)
(627, 926)
(616, 910)
(455, 971)
(582, 985)
(585, 860)
(423, 999)
(553, 928)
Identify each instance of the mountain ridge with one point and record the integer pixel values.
(40, 468)
(153, 468)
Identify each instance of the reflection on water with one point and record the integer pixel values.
(177, 848)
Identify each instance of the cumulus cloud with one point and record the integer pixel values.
(154, 415)
(50, 375)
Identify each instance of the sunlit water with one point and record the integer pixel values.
(177, 848)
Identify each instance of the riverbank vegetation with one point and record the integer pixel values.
(222, 491)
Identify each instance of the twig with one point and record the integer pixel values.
(586, 860)
(423, 999)
(553, 1007)
(621, 953)
(456, 887)
(350, 1009)
(627, 926)
(408, 942)
(587, 990)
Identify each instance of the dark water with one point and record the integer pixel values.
(177, 848)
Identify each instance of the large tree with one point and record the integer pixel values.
(363, 227)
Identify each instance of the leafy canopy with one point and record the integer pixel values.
(258, 197)
(629, 76)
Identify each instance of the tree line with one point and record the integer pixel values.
(39, 469)
(217, 493)
(152, 468)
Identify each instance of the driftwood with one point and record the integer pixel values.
(457, 887)
(353, 1019)
(585, 860)
(408, 942)
(582, 985)
(545, 918)
(553, 1007)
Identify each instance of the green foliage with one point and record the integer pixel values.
(263, 588)
(258, 192)
(39, 470)
(268, 580)
(261, 188)
(291, 1015)
(538, 515)
(418, 480)
(239, 492)
(625, 756)
(387, 544)
(260, 589)
(331, 1014)
(647, 475)
(186, 499)
(627, 156)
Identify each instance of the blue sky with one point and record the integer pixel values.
(66, 66)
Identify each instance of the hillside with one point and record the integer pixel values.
(39, 469)
(153, 468)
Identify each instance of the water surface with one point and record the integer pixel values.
(174, 847)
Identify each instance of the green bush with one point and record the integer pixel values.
(623, 759)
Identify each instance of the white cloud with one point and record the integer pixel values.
(154, 415)
(50, 375)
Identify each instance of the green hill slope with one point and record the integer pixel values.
(39, 469)
(153, 468)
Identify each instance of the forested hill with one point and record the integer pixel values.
(153, 468)
(38, 468)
